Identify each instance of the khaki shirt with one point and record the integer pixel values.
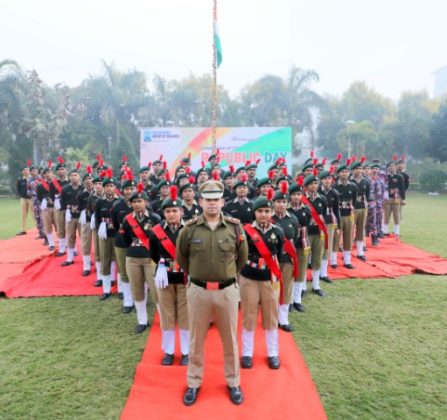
(212, 255)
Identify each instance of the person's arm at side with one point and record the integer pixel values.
(182, 249)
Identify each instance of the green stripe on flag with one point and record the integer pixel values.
(218, 46)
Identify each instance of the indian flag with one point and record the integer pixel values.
(217, 43)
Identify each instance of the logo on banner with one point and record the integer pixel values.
(160, 136)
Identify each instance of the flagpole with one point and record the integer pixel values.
(214, 81)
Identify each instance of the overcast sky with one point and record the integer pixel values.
(394, 45)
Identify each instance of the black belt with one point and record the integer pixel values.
(213, 285)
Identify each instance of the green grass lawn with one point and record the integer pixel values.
(375, 348)
(11, 217)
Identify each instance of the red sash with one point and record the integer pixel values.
(265, 253)
(316, 218)
(139, 233)
(44, 184)
(291, 251)
(164, 240)
(56, 185)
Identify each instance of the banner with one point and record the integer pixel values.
(236, 145)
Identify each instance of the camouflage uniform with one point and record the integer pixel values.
(33, 182)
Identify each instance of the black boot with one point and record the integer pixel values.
(374, 240)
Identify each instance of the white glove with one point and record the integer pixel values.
(43, 204)
(93, 222)
(83, 217)
(161, 277)
(57, 204)
(67, 216)
(102, 231)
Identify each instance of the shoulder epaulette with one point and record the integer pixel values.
(191, 221)
(232, 220)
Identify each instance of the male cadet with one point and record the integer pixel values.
(260, 282)
(375, 205)
(157, 166)
(212, 249)
(347, 197)
(331, 218)
(336, 162)
(228, 180)
(251, 172)
(170, 280)
(288, 258)
(33, 182)
(189, 204)
(106, 232)
(265, 184)
(57, 183)
(47, 205)
(395, 190)
(302, 213)
(70, 205)
(24, 193)
(145, 177)
(163, 190)
(201, 176)
(241, 207)
(186, 163)
(84, 221)
(317, 228)
(400, 169)
(360, 205)
(120, 209)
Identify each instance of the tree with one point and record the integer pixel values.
(437, 145)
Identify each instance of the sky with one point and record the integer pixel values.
(393, 45)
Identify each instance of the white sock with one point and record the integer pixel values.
(297, 288)
(323, 271)
(283, 314)
(334, 257)
(347, 257)
(272, 342)
(359, 245)
(113, 269)
(70, 254)
(184, 341)
(248, 342)
(385, 229)
(141, 310)
(50, 239)
(168, 341)
(106, 283)
(86, 262)
(396, 229)
(315, 279)
(119, 283)
(127, 294)
(62, 245)
(98, 270)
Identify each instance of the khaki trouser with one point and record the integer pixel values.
(120, 254)
(253, 293)
(71, 228)
(86, 239)
(360, 216)
(96, 242)
(330, 240)
(26, 205)
(48, 220)
(345, 231)
(316, 243)
(139, 271)
(107, 255)
(202, 304)
(303, 255)
(173, 307)
(392, 207)
(287, 280)
(59, 216)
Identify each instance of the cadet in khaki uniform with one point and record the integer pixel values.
(84, 221)
(212, 249)
(170, 280)
(47, 206)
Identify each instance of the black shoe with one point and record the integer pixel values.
(97, 283)
(51, 248)
(60, 254)
(120, 296)
(75, 253)
(65, 263)
(273, 362)
(291, 308)
(286, 327)
(184, 360)
(365, 249)
(318, 292)
(45, 242)
(326, 279)
(349, 266)
(309, 266)
(85, 273)
(190, 396)
(385, 235)
(168, 359)
(334, 266)
(113, 283)
(104, 296)
(22, 232)
(246, 362)
(236, 396)
(140, 328)
(361, 257)
(127, 309)
(299, 307)
(303, 293)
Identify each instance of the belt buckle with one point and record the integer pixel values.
(212, 285)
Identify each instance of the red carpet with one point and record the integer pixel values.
(288, 393)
